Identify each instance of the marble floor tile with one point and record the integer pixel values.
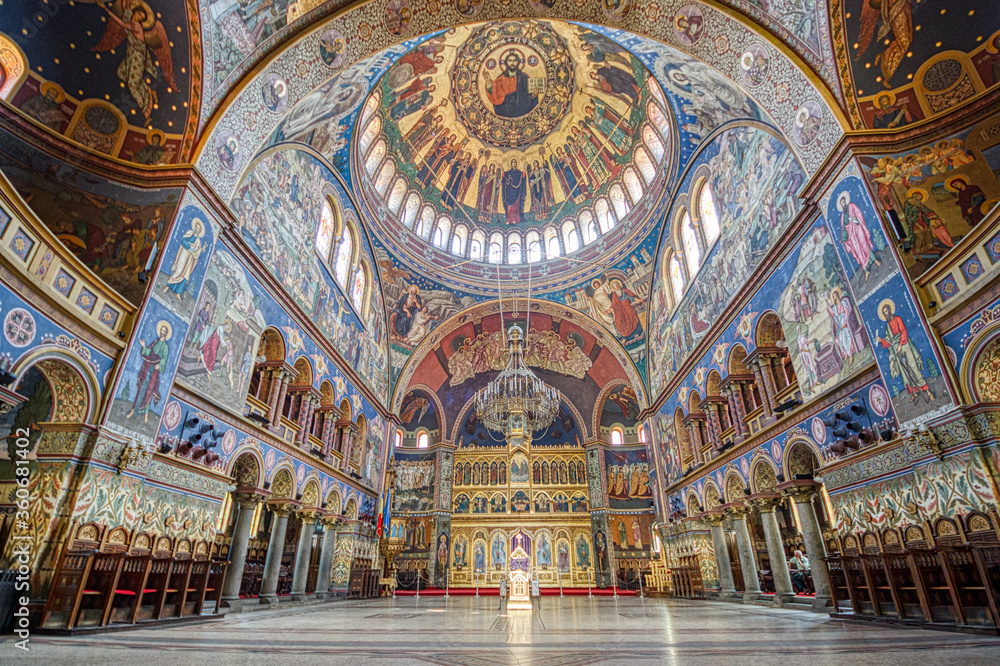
(563, 632)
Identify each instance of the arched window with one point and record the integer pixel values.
(619, 201)
(659, 118)
(345, 254)
(571, 237)
(458, 240)
(604, 215)
(324, 230)
(642, 433)
(587, 222)
(652, 142)
(358, 289)
(646, 167)
(514, 249)
(496, 249)
(426, 222)
(384, 176)
(551, 242)
(410, 210)
(399, 438)
(442, 232)
(476, 247)
(396, 195)
(533, 247)
(370, 106)
(676, 278)
(375, 157)
(692, 251)
(616, 437)
(633, 185)
(369, 134)
(422, 440)
(708, 214)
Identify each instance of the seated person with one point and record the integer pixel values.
(798, 565)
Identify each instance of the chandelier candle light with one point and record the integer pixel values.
(517, 403)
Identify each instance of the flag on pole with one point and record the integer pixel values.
(383, 515)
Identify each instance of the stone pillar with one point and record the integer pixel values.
(775, 550)
(766, 389)
(767, 372)
(812, 537)
(722, 558)
(305, 419)
(246, 502)
(748, 563)
(279, 403)
(734, 413)
(326, 556)
(694, 434)
(714, 424)
(275, 551)
(303, 554)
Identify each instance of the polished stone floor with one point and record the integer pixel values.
(564, 632)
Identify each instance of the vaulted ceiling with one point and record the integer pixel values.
(480, 150)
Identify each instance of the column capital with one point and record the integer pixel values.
(309, 515)
(800, 490)
(713, 518)
(281, 508)
(766, 501)
(737, 510)
(246, 498)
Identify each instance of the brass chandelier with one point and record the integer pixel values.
(517, 400)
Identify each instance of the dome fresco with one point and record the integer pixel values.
(511, 142)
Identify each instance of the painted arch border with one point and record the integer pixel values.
(734, 33)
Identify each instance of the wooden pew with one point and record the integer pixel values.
(129, 590)
(213, 590)
(172, 601)
(67, 588)
(98, 590)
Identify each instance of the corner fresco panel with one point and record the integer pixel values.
(754, 178)
(117, 231)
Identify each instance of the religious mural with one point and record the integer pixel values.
(631, 533)
(939, 192)
(220, 351)
(826, 339)
(415, 482)
(621, 407)
(907, 62)
(862, 246)
(117, 231)
(628, 478)
(528, 126)
(280, 206)
(114, 76)
(754, 178)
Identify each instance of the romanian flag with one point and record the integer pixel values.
(383, 516)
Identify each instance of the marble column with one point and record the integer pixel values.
(275, 551)
(303, 554)
(734, 413)
(694, 434)
(812, 538)
(722, 558)
(279, 404)
(246, 502)
(766, 390)
(767, 372)
(274, 393)
(748, 563)
(775, 550)
(305, 419)
(326, 556)
(714, 424)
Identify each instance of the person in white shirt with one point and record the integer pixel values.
(798, 565)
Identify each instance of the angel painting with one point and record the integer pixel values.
(887, 16)
(146, 46)
(411, 404)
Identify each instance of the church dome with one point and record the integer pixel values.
(513, 142)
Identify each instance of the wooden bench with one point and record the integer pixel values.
(129, 590)
(148, 605)
(172, 602)
(98, 590)
(67, 588)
